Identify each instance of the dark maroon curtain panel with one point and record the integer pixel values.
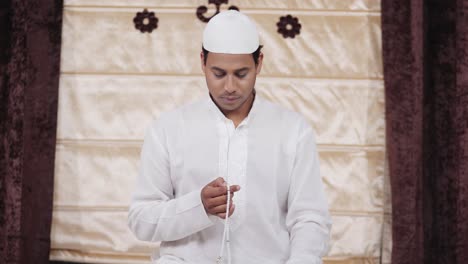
(30, 38)
(425, 51)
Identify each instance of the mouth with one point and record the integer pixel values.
(230, 99)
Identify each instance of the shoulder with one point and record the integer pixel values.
(282, 116)
(290, 126)
(170, 121)
(176, 114)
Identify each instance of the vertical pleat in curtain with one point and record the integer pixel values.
(30, 40)
(425, 49)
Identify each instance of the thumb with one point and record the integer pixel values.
(235, 188)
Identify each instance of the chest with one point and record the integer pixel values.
(260, 160)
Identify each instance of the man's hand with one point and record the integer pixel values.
(214, 197)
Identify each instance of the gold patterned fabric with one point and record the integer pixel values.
(115, 80)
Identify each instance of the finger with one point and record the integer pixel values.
(234, 188)
(212, 192)
(218, 191)
(231, 211)
(206, 191)
(223, 192)
(218, 182)
(218, 209)
(217, 201)
(222, 215)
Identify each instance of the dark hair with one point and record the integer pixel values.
(255, 54)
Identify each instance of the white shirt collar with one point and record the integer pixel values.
(222, 118)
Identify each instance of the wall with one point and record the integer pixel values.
(115, 79)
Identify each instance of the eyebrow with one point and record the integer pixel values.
(242, 69)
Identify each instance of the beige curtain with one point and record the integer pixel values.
(114, 80)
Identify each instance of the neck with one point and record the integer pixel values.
(241, 113)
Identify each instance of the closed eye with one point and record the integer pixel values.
(242, 74)
(219, 74)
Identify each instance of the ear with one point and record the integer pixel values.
(202, 61)
(259, 64)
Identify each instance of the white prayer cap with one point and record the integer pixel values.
(231, 32)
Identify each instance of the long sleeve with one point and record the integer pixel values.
(308, 219)
(155, 214)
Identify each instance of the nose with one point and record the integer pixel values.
(229, 85)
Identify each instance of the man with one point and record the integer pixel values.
(264, 153)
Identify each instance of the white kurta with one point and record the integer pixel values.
(281, 213)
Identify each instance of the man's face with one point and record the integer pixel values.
(230, 79)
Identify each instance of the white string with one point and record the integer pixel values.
(226, 232)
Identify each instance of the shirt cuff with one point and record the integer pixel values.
(192, 205)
